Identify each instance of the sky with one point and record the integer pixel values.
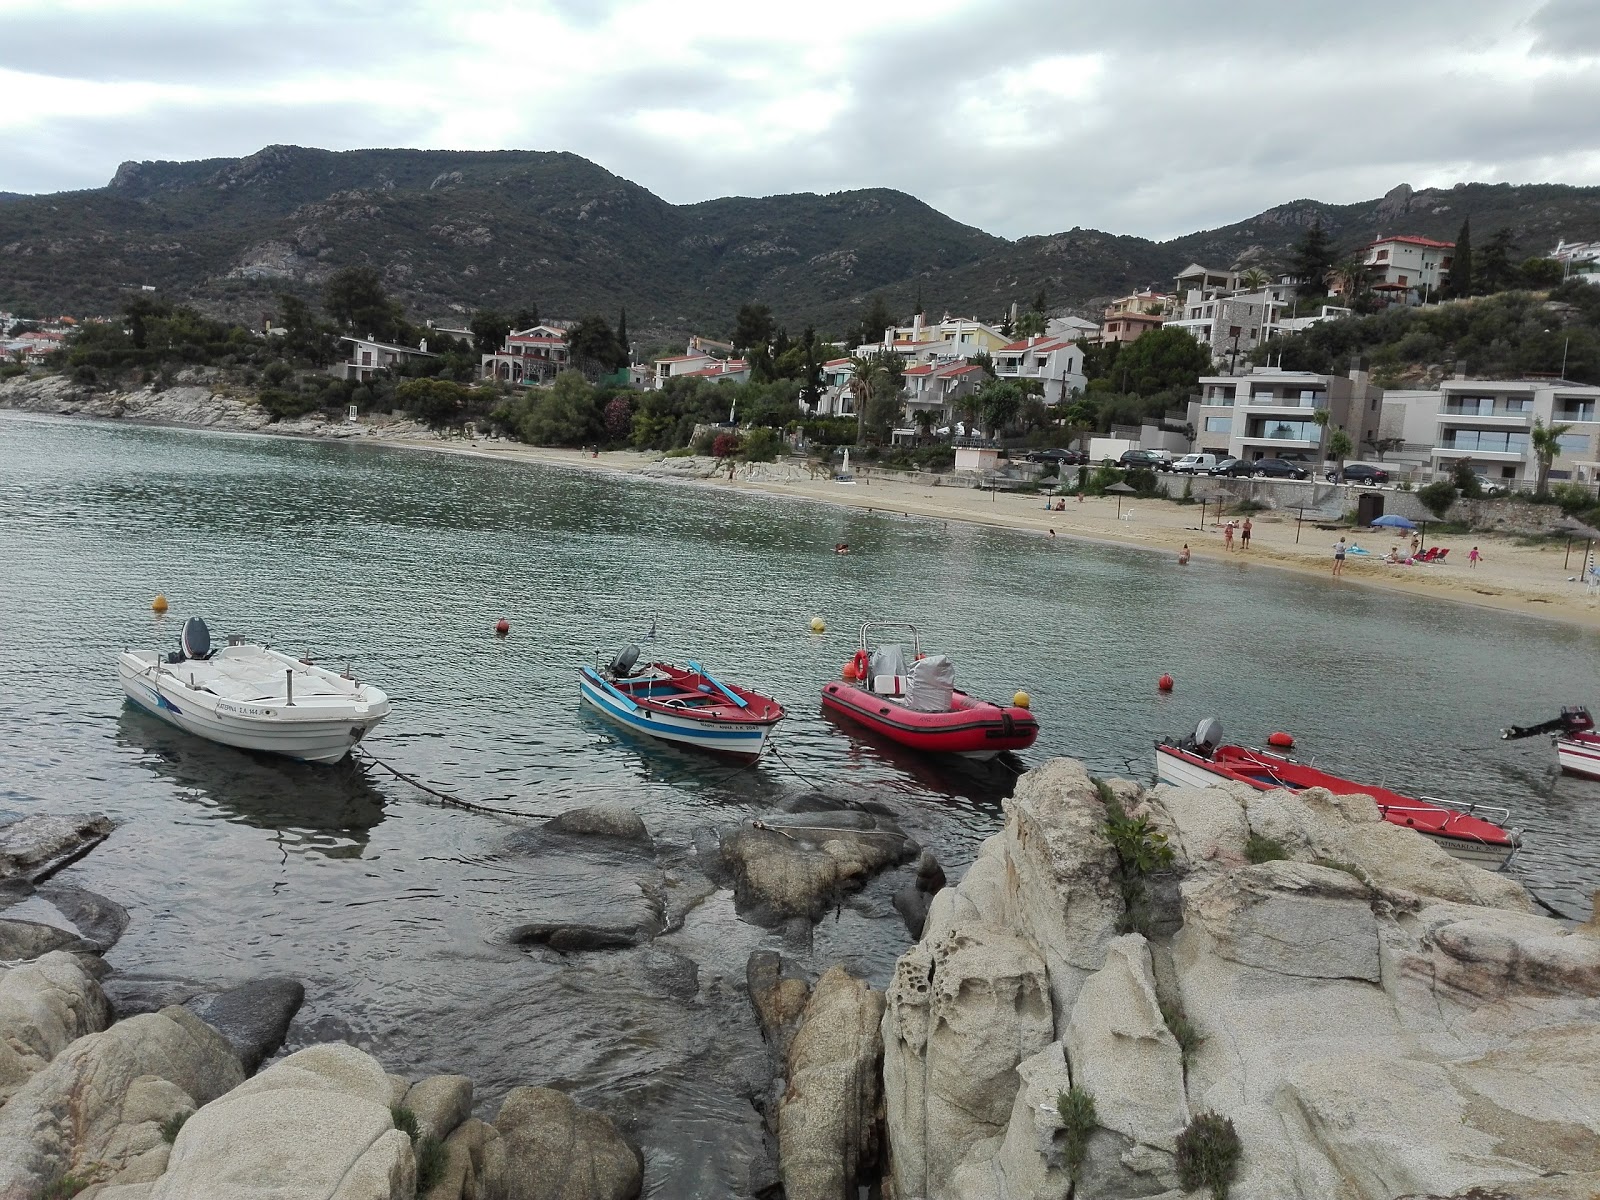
(1155, 117)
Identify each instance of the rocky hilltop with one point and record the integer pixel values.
(453, 231)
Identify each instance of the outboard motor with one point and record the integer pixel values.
(1207, 736)
(622, 665)
(195, 639)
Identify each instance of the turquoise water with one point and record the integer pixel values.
(401, 562)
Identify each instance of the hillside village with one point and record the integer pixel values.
(1226, 384)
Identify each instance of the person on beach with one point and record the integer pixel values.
(1052, 535)
(1183, 555)
(1474, 558)
(1416, 545)
(1338, 558)
(1227, 535)
(1244, 535)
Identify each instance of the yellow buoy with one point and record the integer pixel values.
(1022, 700)
(818, 625)
(159, 604)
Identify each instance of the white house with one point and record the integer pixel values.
(532, 356)
(938, 387)
(1272, 413)
(1054, 363)
(1400, 266)
(1491, 422)
(367, 357)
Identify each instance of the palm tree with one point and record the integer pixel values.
(1340, 447)
(1254, 279)
(1321, 418)
(1546, 441)
(925, 418)
(1349, 276)
(866, 373)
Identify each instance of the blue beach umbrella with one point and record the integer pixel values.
(1392, 521)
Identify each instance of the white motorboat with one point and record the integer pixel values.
(252, 697)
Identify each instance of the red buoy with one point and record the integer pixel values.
(502, 627)
(1281, 740)
(848, 671)
(1165, 683)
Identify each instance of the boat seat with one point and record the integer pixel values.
(888, 685)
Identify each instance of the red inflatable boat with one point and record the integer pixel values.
(917, 705)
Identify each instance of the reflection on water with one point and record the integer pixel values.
(316, 809)
(394, 910)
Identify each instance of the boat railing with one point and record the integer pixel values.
(1498, 814)
(866, 643)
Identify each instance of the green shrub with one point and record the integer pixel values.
(276, 372)
(1208, 1155)
(171, 1126)
(1573, 498)
(1259, 849)
(1078, 1122)
(12, 370)
(431, 1158)
(1188, 491)
(284, 405)
(1141, 850)
(404, 1120)
(1182, 1029)
(760, 445)
(1437, 497)
(1335, 864)
(64, 1188)
(86, 375)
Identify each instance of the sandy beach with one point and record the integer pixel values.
(1532, 580)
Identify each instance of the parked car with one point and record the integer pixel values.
(1493, 487)
(1277, 468)
(1360, 473)
(1195, 464)
(1234, 468)
(1155, 460)
(1058, 457)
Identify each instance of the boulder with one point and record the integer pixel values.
(962, 1011)
(778, 993)
(1205, 826)
(474, 1166)
(914, 899)
(45, 1006)
(99, 920)
(1062, 875)
(21, 941)
(440, 1103)
(316, 1124)
(99, 1105)
(254, 1016)
(802, 864)
(827, 1121)
(38, 845)
(616, 821)
(1316, 824)
(1027, 1161)
(595, 893)
(1291, 918)
(1122, 1052)
(558, 1150)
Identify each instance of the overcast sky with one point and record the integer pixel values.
(1155, 117)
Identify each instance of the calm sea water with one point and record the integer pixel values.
(393, 910)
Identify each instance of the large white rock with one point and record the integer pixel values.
(100, 1103)
(1205, 826)
(1026, 1162)
(316, 1125)
(440, 1103)
(555, 1149)
(1290, 918)
(962, 1011)
(1122, 1052)
(828, 1116)
(44, 1006)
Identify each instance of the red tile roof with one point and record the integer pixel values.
(1040, 344)
(1413, 241)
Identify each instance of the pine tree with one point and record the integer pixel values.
(622, 334)
(1458, 284)
(1313, 259)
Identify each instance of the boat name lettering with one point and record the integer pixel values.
(243, 710)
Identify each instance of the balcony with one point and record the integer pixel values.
(1580, 413)
(1500, 418)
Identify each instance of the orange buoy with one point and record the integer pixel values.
(502, 627)
(1280, 739)
(848, 671)
(1165, 683)
(159, 604)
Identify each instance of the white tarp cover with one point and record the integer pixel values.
(888, 660)
(933, 680)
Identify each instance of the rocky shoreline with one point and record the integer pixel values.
(1301, 998)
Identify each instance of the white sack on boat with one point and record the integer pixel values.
(932, 683)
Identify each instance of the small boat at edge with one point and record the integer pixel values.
(687, 705)
(252, 697)
(1575, 738)
(1201, 760)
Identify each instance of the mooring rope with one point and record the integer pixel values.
(446, 797)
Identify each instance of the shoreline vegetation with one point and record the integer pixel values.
(1515, 575)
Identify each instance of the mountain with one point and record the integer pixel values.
(452, 231)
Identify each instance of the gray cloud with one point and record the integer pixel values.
(1186, 117)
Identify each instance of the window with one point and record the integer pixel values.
(1519, 404)
(366, 358)
(1382, 255)
(1219, 424)
(1574, 445)
(1401, 280)
(1490, 441)
(1235, 331)
(1574, 410)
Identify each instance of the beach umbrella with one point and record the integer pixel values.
(1393, 521)
(1120, 490)
(1575, 528)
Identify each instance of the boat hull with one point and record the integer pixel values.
(1579, 756)
(744, 740)
(322, 737)
(1180, 769)
(975, 729)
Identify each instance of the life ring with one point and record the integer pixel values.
(862, 664)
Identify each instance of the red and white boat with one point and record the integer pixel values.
(687, 705)
(1576, 740)
(1467, 834)
(917, 704)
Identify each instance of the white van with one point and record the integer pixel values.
(1196, 464)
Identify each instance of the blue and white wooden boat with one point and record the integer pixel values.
(252, 697)
(687, 705)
